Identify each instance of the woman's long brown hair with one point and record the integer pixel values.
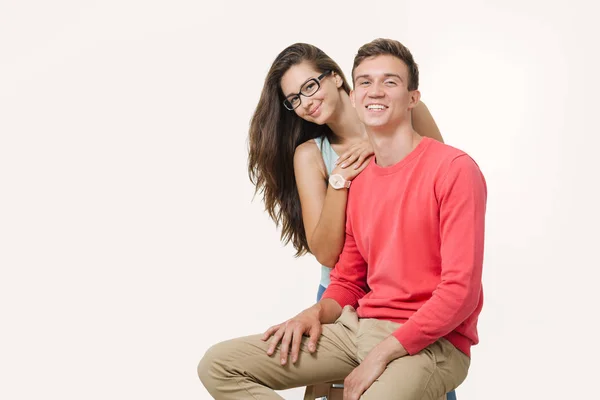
(274, 135)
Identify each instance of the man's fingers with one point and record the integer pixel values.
(313, 337)
(349, 389)
(296, 340)
(346, 390)
(355, 385)
(269, 332)
(275, 341)
(285, 345)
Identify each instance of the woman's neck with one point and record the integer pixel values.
(345, 124)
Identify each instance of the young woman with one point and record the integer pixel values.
(303, 121)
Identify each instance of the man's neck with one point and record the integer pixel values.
(392, 145)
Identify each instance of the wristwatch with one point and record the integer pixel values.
(337, 182)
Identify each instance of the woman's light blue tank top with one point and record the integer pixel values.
(329, 157)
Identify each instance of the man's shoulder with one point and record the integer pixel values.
(445, 156)
(443, 160)
(443, 151)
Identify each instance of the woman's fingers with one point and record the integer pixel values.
(350, 160)
(360, 160)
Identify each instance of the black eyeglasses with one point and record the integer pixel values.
(308, 88)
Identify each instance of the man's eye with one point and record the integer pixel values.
(390, 83)
(364, 83)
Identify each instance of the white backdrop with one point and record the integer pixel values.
(129, 241)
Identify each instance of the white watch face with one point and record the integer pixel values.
(337, 181)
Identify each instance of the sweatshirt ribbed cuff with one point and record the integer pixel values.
(411, 338)
(341, 296)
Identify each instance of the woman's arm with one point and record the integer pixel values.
(424, 123)
(323, 208)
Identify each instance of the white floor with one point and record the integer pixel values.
(292, 394)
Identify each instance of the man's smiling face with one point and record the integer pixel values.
(381, 96)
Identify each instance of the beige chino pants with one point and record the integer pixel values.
(241, 369)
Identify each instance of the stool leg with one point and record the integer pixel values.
(315, 391)
(309, 393)
(336, 393)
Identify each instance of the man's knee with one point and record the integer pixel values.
(210, 368)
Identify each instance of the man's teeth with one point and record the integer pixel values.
(375, 107)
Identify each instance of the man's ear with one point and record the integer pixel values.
(352, 99)
(415, 97)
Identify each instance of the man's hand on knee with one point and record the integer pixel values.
(371, 368)
(362, 377)
(290, 334)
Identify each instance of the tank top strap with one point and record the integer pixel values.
(319, 142)
(329, 155)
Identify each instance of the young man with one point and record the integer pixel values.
(399, 317)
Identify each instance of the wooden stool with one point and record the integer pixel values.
(330, 391)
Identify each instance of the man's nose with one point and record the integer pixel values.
(376, 90)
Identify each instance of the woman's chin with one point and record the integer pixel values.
(319, 118)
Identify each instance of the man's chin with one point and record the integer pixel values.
(375, 123)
